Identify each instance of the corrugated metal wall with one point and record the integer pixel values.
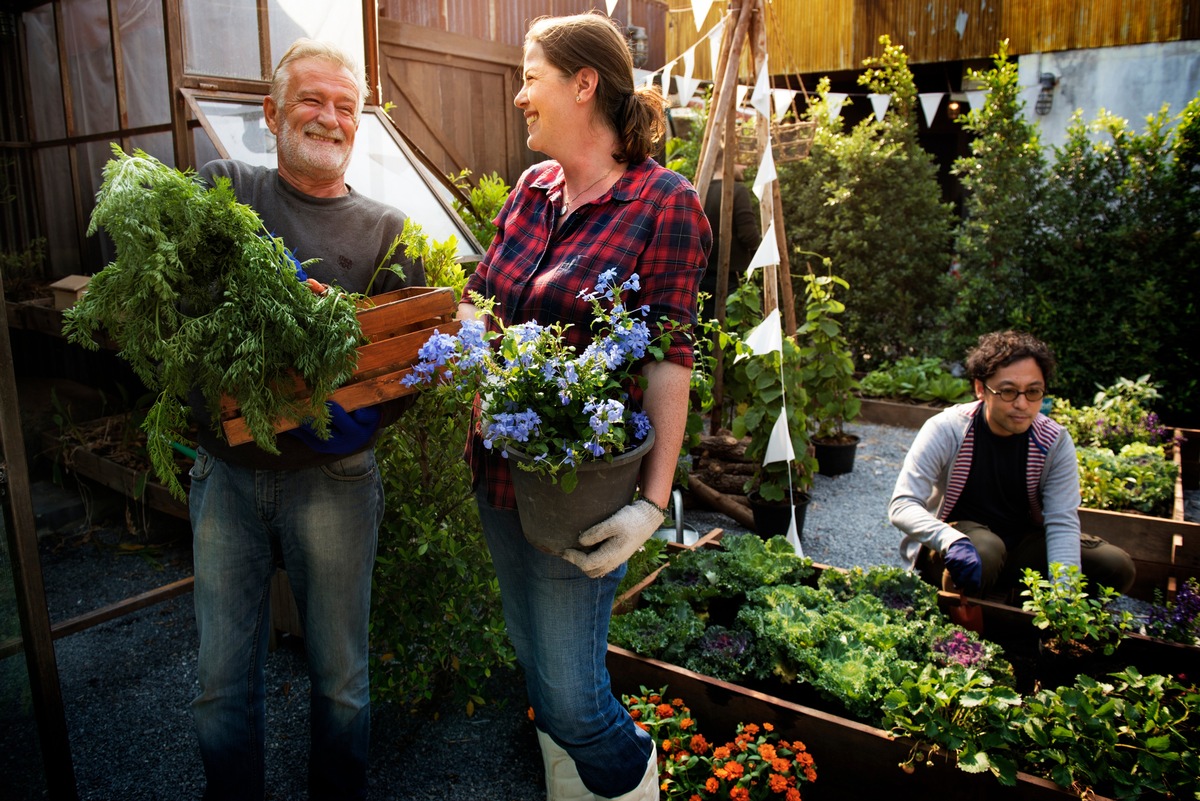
(807, 36)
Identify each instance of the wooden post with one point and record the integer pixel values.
(727, 93)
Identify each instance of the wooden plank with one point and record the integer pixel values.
(127, 481)
(893, 413)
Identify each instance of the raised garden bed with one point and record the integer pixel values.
(879, 411)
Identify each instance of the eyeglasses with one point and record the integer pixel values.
(1009, 395)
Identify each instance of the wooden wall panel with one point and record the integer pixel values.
(928, 31)
(1039, 26)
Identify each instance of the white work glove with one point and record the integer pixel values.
(617, 537)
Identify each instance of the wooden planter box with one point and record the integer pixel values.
(395, 327)
(895, 413)
(854, 760)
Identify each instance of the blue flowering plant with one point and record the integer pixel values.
(539, 396)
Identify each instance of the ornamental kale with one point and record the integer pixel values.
(538, 396)
(726, 654)
(899, 589)
(657, 632)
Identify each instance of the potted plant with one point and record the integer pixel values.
(566, 420)
(827, 374)
(760, 387)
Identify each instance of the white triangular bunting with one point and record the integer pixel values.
(714, 45)
(793, 535)
(976, 98)
(761, 98)
(687, 86)
(700, 12)
(835, 101)
(667, 81)
(764, 338)
(766, 171)
(767, 253)
(779, 446)
(930, 102)
(740, 95)
(880, 104)
(612, 4)
(783, 101)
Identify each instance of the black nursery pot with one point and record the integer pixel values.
(772, 518)
(835, 458)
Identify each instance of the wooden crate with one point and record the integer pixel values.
(395, 328)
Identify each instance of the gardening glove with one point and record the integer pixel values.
(617, 538)
(348, 431)
(966, 569)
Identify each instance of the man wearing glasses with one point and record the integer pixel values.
(991, 487)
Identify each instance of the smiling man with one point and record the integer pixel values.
(318, 503)
(991, 487)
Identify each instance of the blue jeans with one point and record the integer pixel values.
(325, 521)
(557, 619)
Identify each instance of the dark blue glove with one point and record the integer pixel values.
(348, 431)
(962, 560)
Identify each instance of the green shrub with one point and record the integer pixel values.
(1138, 478)
(915, 378)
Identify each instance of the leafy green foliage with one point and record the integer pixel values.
(1074, 619)
(201, 296)
(1120, 414)
(869, 200)
(487, 197)
(658, 632)
(1129, 737)
(916, 378)
(827, 370)
(1137, 478)
(961, 713)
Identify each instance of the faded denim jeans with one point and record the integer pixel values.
(557, 619)
(325, 522)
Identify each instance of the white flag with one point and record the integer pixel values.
(793, 536)
(714, 47)
(880, 104)
(687, 86)
(766, 171)
(783, 102)
(930, 102)
(611, 5)
(764, 338)
(779, 446)
(700, 12)
(835, 101)
(740, 94)
(976, 98)
(767, 253)
(761, 97)
(667, 81)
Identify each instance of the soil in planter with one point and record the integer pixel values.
(774, 519)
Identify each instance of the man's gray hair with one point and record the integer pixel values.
(312, 48)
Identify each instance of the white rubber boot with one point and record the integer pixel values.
(562, 778)
(647, 789)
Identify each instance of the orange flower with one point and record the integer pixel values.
(698, 743)
(636, 714)
(665, 710)
(686, 723)
(739, 794)
(735, 769)
(781, 765)
(768, 727)
(766, 751)
(810, 774)
(792, 794)
(799, 746)
(711, 785)
(642, 726)
(721, 773)
(751, 729)
(804, 760)
(677, 702)
(682, 756)
(777, 783)
(653, 699)
(695, 797)
(666, 746)
(721, 752)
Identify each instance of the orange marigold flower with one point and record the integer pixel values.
(665, 710)
(653, 699)
(810, 774)
(735, 769)
(739, 794)
(768, 727)
(792, 794)
(636, 714)
(698, 743)
(682, 756)
(677, 702)
(751, 729)
(666, 745)
(777, 783)
(766, 751)
(799, 746)
(695, 797)
(711, 785)
(721, 752)
(642, 726)
(804, 760)
(686, 723)
(781, 765)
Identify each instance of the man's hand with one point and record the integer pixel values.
(617, 537)
(966, 569)
(348, 431)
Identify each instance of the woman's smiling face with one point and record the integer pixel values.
(547, 99)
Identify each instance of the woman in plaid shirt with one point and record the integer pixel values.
(600, 204)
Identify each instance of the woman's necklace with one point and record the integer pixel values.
(566, 206)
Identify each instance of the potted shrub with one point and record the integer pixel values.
(759, 387)
(827, 374)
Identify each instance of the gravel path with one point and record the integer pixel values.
(127, 683)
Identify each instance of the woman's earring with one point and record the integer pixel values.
(578, 98)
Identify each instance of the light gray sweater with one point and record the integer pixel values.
(936, 468)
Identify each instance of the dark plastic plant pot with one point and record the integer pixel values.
(835, 458)
(552, 520)
(772, 518)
